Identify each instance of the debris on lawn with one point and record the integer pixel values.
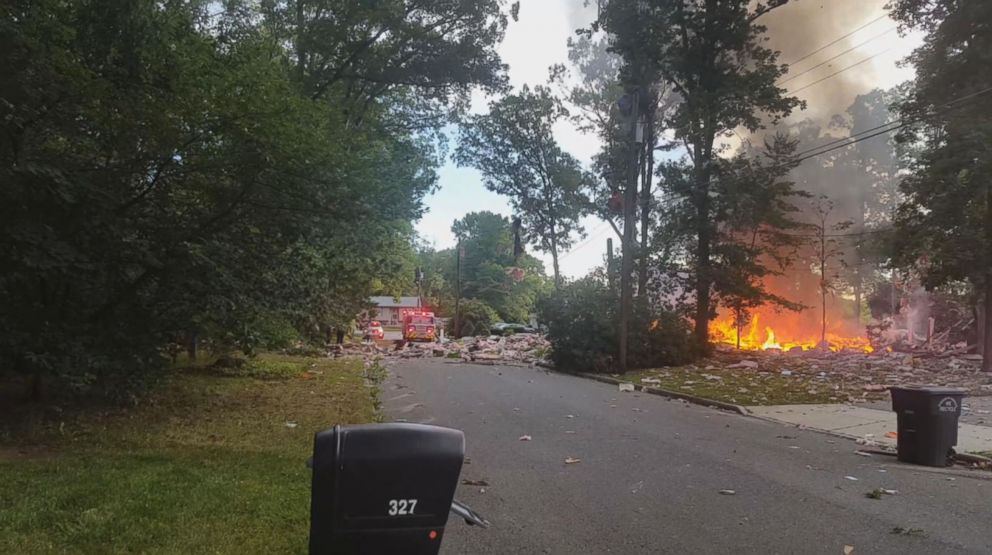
(815, 376)
(291, 424)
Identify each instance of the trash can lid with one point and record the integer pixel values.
(929, 389)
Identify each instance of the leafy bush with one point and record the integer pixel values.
(275, 332)
(475, 318)
(583, 326)
(658, 339)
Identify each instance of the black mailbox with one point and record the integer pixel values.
(383, 488)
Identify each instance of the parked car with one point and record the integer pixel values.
(420, 326)
(375, 330)
(502, 328)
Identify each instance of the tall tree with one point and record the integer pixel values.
(594, 90)
(515, 149)
(489, 270)
(827, 254)
(169, 168)
(712, 53)
(944, 224)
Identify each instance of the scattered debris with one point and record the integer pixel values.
(468, 482)
(651, 381)
(727, 492)
(744, 364)
(569, 416)
(851, 478)
(570, 460)
(626, 387)
(877, 493)
(291, 424)
(972, 458)
(892, 435)
(862, 454)
(848, 549)
(916, 532)
(525, 438)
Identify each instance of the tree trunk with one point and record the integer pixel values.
(301, 53)
(36, 391)
(703, 279)
(191, 341)
(554, 258)
(823, 286)
(647, 176)
(986, 338)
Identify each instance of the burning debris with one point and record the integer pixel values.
(792, 335)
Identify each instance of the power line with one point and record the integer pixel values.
(593, 235)
(828, 60)
(898, 124)
(828, 45)
(838, 72)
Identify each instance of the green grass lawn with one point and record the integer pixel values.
(741, 387)
(206, 464)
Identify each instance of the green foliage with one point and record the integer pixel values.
(583, 323)
(475, 318)
(582, 319)
(515, 149)
(944, 222)
(176, 168)
(488, 268)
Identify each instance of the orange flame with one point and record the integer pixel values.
(723, 330)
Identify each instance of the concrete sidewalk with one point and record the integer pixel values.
(860, 422)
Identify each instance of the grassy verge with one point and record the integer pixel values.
(208, 463)
(740, 387)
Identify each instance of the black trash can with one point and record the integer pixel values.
(927, 423)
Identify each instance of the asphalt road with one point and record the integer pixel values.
(651, 472)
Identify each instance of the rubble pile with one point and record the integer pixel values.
(528, 349)
(857, 375)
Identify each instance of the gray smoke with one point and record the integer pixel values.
(802, 26)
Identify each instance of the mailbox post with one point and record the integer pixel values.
(383, 488)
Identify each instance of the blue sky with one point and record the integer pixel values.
(538, 40)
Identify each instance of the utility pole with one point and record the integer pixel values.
(630, 108)
(418, 277)
(456, 330)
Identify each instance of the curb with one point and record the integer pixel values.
(668, 393)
